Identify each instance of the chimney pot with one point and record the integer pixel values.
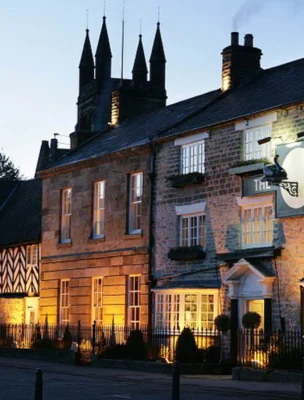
(248, 40)
(234, 38)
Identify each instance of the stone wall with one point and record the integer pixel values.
(12, 311)
(114, 257)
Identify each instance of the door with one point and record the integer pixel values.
(258, 307)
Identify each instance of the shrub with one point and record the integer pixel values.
(136, 347)
(251, 320)
(118, 352)
(222, 323)
(186, 348)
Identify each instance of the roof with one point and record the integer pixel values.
(269, 89)
(20, 212)
(137, 131)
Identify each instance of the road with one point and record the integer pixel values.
(18, 384)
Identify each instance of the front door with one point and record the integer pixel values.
(31, 310)
(258, 307)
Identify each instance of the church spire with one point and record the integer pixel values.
(158, 62)
(103, 55)
(140, 66)
(86, 65)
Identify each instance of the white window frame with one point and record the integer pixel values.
(134, 302)
(66, 214)
(192, 157)
(97, 297)
(64, 301)
(193, 240)
(135, 202)
(254, 203)
(99, 209)
(251, 148)
(161, 298)
(32, 255)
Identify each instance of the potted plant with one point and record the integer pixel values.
(222, 324)
(251, 320)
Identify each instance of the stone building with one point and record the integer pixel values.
(227, 240)
(20, 250)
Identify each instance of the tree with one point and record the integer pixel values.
(8, 171)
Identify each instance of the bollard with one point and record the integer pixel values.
(176, 381)
(38, 384)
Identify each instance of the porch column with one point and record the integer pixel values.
(267, 318)
(234, 313)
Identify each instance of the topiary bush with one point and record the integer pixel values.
(251, 320)
(222, 323)
(136, 346)
(186, 347)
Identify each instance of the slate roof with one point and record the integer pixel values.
(269, 89)
(20, 212)
(137, 131)
(208, 283)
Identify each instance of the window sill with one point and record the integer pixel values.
(64, 245)
(131, 236)
(247, 169)
(179, 181)
(187, 253)
(96, 239)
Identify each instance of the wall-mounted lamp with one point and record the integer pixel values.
(264, 140)
(300, 134)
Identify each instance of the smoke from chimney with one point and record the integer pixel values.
(252, 7)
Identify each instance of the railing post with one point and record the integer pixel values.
(302, 384)
(93, 337)
(38, 384)
(176, 381)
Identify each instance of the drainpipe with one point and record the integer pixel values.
(151, 232)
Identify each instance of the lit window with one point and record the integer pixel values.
(136, 192)
(193, 157)
(257, 225)
(192, 230)
(32, 255)
(97, 301)
(194, 309)
(134, 302)
(64, 302)
(99, 209)
(66, 215)
(252, 150)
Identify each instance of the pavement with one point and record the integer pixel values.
(221, 384)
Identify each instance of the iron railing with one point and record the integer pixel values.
(160, 343)
(273, 350)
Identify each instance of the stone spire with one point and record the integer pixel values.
(86, 66)
(140, 66)
(103, 55)
(158, 62)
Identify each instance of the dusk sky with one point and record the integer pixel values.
(41, 44)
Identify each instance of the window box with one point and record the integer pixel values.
(187, 253)
(178, 181)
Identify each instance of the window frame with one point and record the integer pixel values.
(98, 211)
(94, 279)
(198, 165)
(188, 217)
(33, 249)
(66, 213)
(263, 150)
(134, 323)
(182, 293)
(64, 321)
(137, 203)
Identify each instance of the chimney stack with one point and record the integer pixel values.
(239, 62)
